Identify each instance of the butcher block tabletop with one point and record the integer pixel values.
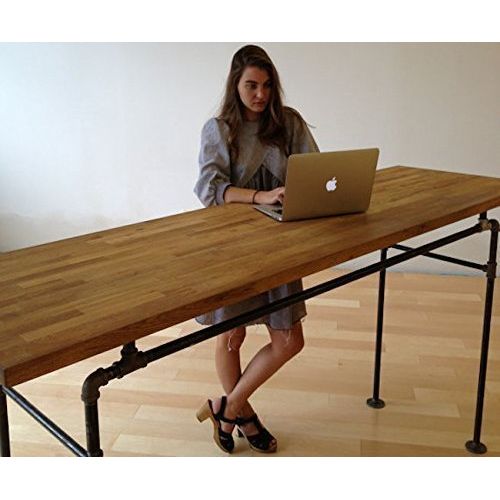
(68, 300)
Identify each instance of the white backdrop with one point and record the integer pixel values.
(93, 136)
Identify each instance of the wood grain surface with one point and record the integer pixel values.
(65, 301)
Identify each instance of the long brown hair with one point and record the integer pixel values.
(272, 128)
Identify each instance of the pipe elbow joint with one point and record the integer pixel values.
(90, 388)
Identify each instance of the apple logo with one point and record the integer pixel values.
(331, 185)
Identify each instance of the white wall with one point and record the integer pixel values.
(94, 136)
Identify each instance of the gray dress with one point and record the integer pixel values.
(260, 167)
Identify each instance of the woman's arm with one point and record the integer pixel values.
(240, 195)
(215, 170)
(302, 138)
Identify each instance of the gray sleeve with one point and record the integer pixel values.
(215, 170)
(302, 139)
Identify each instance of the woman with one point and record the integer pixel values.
(243, 159)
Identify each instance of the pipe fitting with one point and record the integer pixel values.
(485, 224)
(131, 360)
(97, 379)
(494, 225)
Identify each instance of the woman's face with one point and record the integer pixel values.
(254, 89)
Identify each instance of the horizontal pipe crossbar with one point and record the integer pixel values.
(446, 258)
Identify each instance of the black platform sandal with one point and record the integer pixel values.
(263, 440)
(224, 440)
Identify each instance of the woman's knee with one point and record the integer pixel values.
(290, 341)
(298, 339)
(233, 339)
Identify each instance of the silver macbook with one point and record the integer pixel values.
(324, 184)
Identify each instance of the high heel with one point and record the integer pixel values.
(263, 440)
(224, 440)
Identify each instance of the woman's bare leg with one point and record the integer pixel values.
(228, 366)
(227, 357)
(284, 345)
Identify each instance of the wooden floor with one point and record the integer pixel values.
(315, 405)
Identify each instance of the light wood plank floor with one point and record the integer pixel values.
(316, 404)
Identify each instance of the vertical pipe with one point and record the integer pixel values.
(92, 428)
(475, 445)
(4, 426)
(375, 401)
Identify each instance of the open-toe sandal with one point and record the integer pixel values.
(224, 440)
(263, 441)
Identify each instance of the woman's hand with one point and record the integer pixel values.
(270, 197)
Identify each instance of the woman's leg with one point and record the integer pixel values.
(284, 345)
(227, 363)
(227, 357)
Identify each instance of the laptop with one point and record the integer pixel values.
(325, 184)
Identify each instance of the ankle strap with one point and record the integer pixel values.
(220, 414)
(254, 419)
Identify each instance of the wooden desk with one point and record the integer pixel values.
(66, 301)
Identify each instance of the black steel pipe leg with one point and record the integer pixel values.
(475, 445)
(131, 359)
(4, 426)
(90, 396)
(92, 428)
(375, 401)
